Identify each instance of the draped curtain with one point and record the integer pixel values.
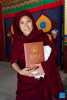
(45, 12)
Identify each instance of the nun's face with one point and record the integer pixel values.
(26, 25)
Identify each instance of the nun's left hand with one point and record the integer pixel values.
(39, 69)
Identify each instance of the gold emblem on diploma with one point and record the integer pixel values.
(34, 49)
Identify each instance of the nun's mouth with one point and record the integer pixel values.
(27, 29)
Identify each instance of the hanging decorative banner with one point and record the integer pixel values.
(46, 14)
(47, 20)
(31, 5)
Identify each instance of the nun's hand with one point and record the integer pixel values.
(27, 72)
(39, 69)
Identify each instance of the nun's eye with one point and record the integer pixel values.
(21, 23)
(54, 31)
(29, 21)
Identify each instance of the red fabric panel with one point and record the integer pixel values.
(2, 36)
(39, 8)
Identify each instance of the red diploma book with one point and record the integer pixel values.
(34, 53)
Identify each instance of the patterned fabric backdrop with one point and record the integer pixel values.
(49, 20)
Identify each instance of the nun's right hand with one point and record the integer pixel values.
(27, 72)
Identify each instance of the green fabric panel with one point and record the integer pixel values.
(65, 43)
(29, 6)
